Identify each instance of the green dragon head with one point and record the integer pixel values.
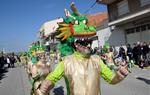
(74, 26)
(36, 49)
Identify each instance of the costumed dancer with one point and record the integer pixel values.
(38, 68)
(109, 57)
(24, 59)
(81, 70)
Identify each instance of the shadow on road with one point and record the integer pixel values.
(147, 81)
(58, 91)
(2, 73)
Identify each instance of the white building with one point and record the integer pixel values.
(129, 21)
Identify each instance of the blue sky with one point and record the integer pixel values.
(21, 19)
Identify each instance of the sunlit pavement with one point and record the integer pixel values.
(136, 83)
(15, 82)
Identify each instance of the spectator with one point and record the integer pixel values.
(139, 54)
(137, 51)
(129, 51)
(2, 62)
(12, 61)
(129, 54)
(122, 53)
(8, 61)
(145, 50)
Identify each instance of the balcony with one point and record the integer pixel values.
(131, 17)
(105, 1)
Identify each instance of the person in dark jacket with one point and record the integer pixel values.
(129, 51)
(137, 52)
(2, 61)
(12, 61)
(122, 53)
(145, 50)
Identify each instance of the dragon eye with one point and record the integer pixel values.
(76, 22)
(84, 21)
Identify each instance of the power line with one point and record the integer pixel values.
(90, 7)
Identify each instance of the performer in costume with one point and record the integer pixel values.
(109, 56)
(81, 70)
(38, 68)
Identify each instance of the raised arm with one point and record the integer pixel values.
(112, 77)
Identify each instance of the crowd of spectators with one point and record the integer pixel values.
(8, 60)
(137, 53)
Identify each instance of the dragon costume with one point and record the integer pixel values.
(38, 68)
(81, 70)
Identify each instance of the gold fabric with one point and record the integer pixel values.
(110, 57)
(83, 75)
(39, 72)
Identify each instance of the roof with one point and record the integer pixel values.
(105, 1)
(97, 19)
(50, 27)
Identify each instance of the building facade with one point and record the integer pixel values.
(46, 33)
(129, 21)
(100, 20)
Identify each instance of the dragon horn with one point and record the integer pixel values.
(74, 9)
(67, 13)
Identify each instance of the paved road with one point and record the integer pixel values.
(137, 83)
(14, 82)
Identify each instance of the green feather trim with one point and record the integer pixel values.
(65, 47)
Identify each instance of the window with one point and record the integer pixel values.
(148, 26)
(123, 7)
(144, 2)
(137, 29)
(129, 31)
(143, 28)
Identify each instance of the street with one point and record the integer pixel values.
(15, 82)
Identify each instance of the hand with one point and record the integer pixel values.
(38, 92)
(46, 86)
(122, 71)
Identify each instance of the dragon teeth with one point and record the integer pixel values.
(75, 40)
